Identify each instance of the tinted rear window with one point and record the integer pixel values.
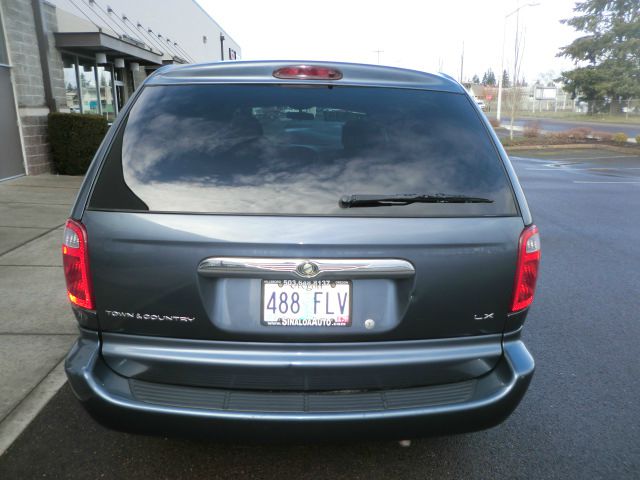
(246, 149)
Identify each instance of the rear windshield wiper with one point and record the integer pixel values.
(351, 201)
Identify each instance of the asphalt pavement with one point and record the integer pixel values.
(579, 419)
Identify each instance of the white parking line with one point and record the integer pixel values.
(597, 158)
(570, 159)
(590, 181)
(20, 417)
(564, 159)
(562, 169)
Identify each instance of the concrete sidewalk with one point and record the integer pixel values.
(36, 324)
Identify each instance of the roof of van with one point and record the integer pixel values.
(254, 72)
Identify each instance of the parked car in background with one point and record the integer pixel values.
(481, 104)
(270, 250)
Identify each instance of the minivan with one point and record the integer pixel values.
(300, 250)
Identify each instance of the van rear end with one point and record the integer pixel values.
(272, 250)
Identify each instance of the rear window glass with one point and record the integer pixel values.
(282, 150)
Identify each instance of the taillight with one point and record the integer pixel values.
(527, 269)
(308, 72)
(75, 259)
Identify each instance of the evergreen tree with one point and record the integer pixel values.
(607, 57)
(506, 83)
(489, 78)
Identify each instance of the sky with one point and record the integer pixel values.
(421, 34)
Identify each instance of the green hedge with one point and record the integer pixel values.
(74, 140)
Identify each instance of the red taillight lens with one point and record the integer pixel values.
(308, 72)
(527, 269)
(75, 259)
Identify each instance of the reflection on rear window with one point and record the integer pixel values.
(297, 150)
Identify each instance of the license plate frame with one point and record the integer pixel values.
(341, 319)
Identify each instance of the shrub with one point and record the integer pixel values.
(638, 139)
(603, 136)
(563, 136)
(495, 123)
(572, 135)
(619, 137)
(581, 133)
(74, 140)
(531, 130)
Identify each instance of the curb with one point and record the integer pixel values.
(567, 146)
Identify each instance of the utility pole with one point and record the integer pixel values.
(378, 52)
(504, 36)
(462, 62)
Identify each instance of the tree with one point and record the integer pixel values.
(607, 57)
(506, 83)
(475, 80)
(489, 78)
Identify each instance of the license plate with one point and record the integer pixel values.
(306, 303)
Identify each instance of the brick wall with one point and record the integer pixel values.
(56, 66)
(28, 83)
(23, 52)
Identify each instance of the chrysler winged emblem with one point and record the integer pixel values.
(307, 269)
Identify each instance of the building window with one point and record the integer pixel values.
(91, 88)
(88, 88)
(72, 93)
(204, 39)
(107, 99)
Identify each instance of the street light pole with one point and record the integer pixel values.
(462, 62)
(500, 73)
(504, 37)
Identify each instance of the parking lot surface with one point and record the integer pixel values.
(578, 420)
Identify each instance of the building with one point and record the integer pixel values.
(88, 56)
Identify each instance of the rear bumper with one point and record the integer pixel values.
(139, 406)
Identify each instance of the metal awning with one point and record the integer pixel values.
(94, 42)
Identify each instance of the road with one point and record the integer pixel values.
(558, 125)
(579, 419)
